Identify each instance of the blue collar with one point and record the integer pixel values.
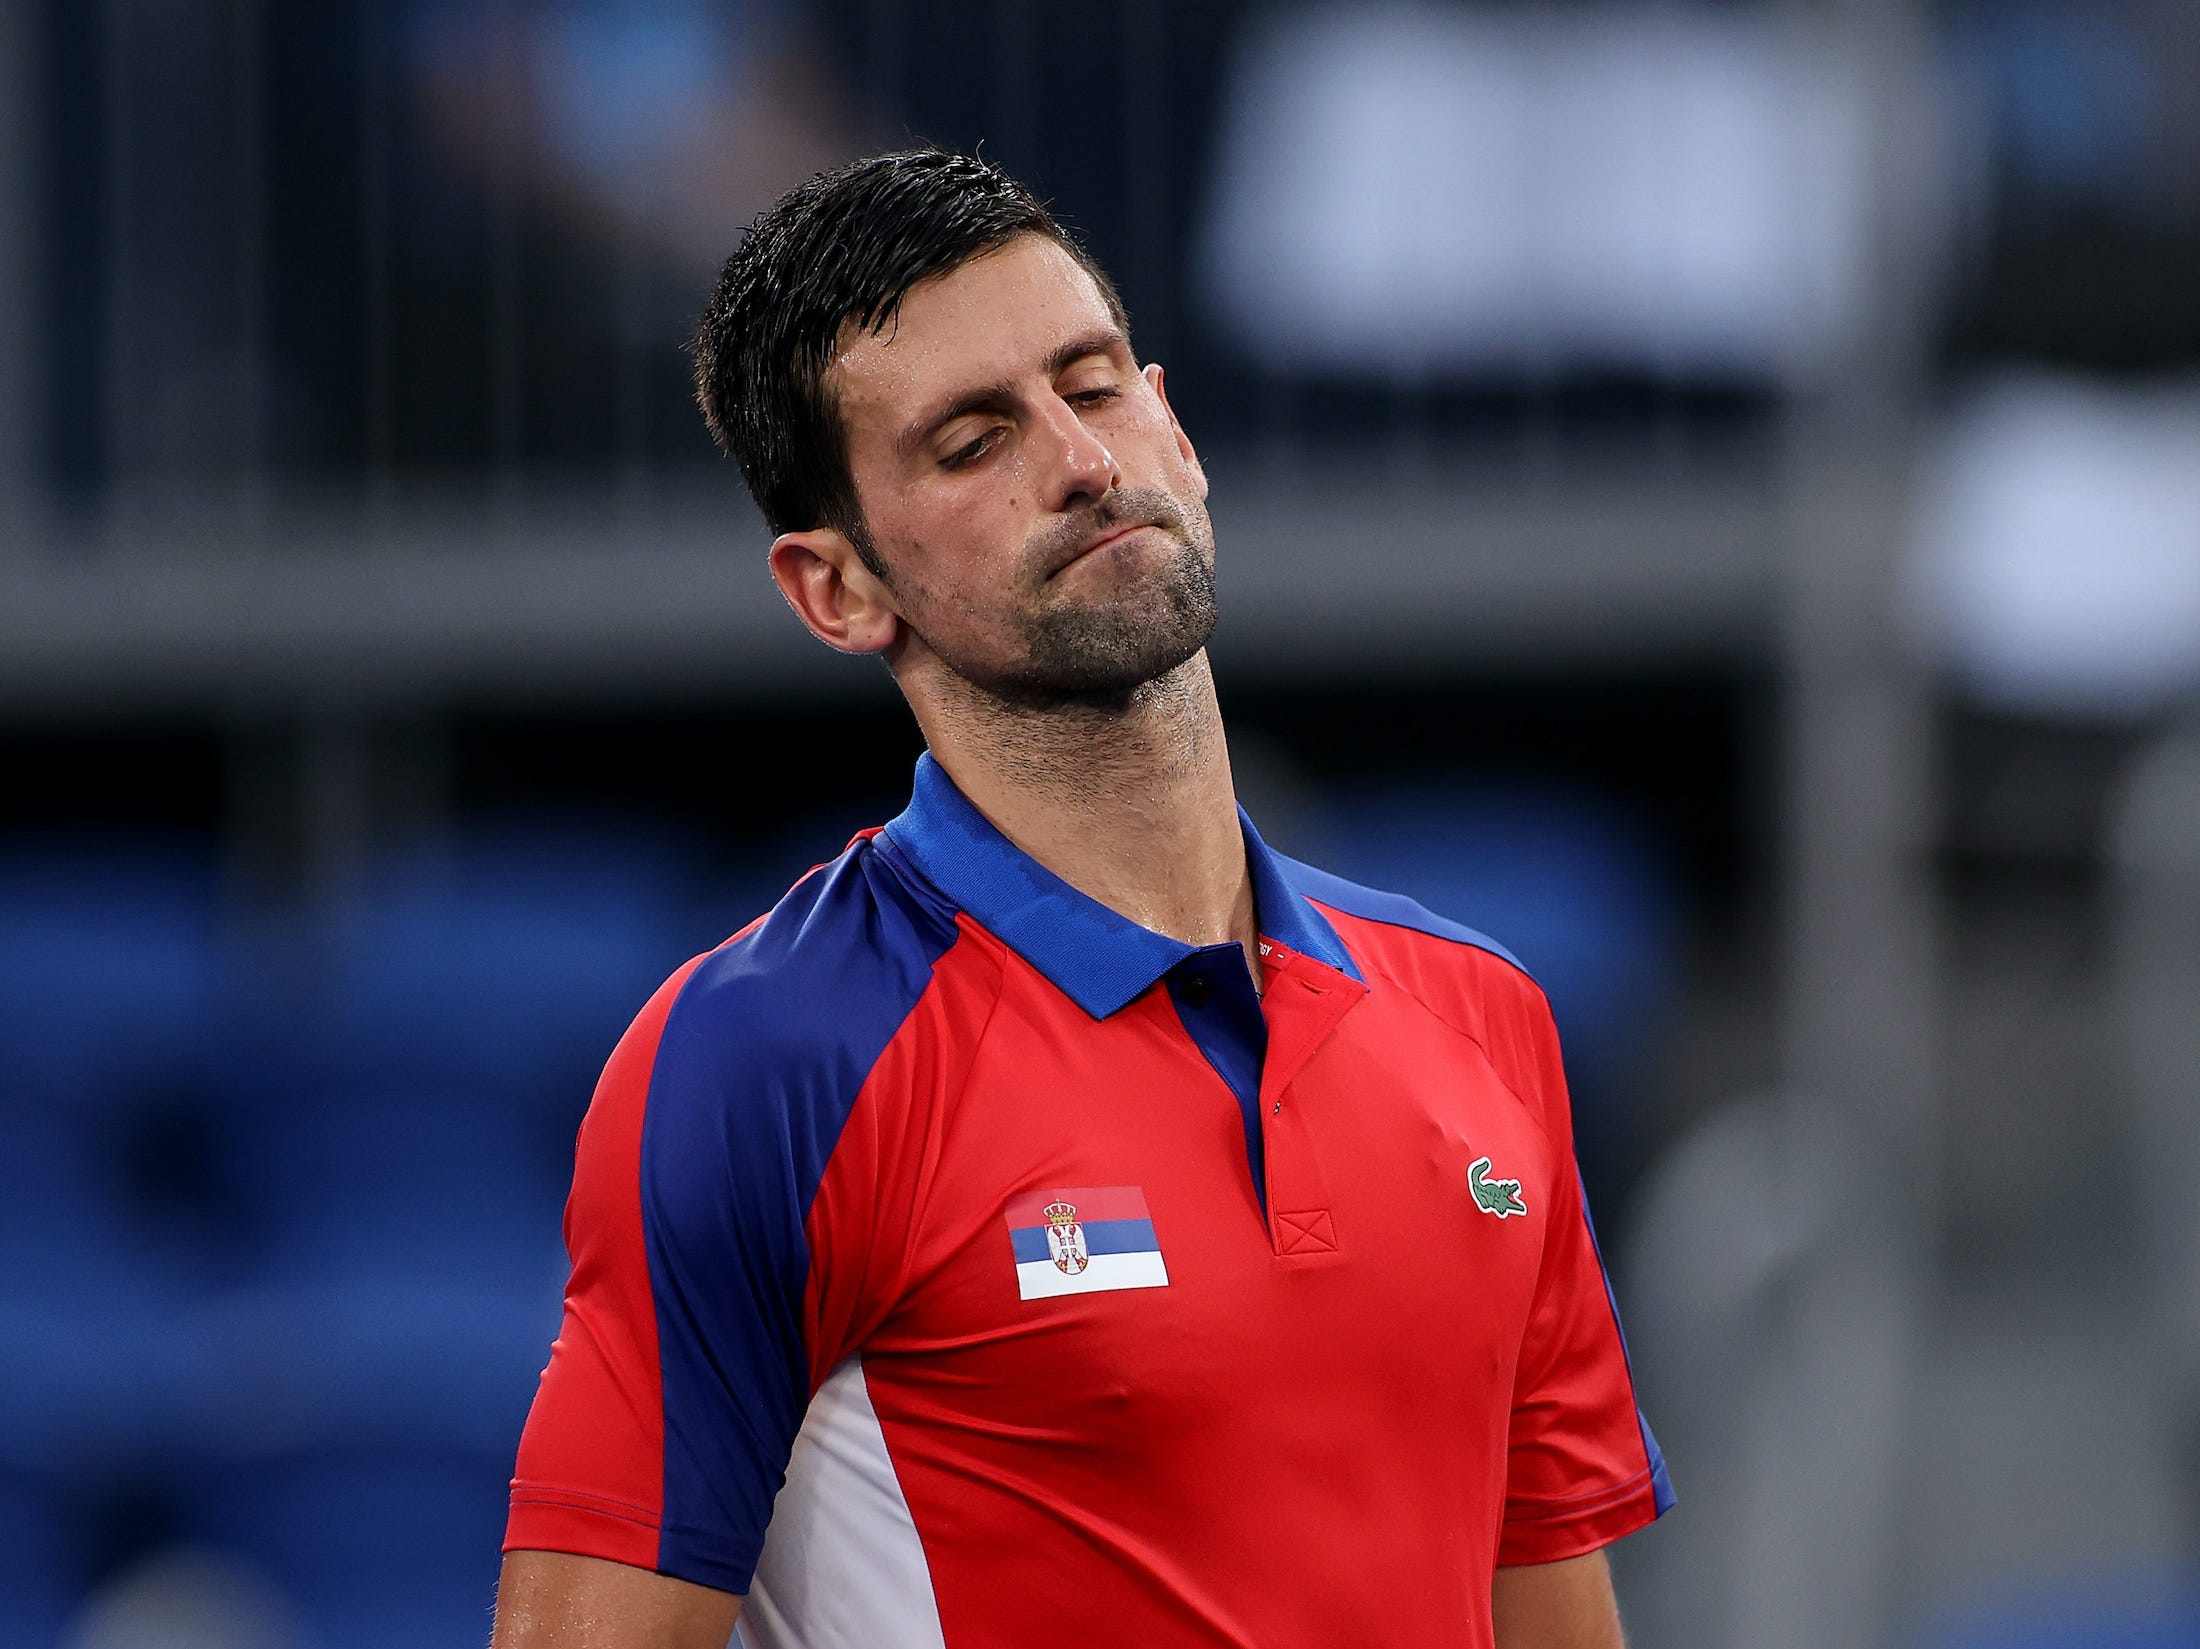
(1100, 960)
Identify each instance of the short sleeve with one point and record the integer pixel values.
(661, 1430)
(1582, 1467)
(701, 1316)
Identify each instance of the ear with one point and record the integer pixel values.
(1183, 441)
(844, 604)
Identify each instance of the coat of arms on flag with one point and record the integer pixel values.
(1066, 1238)
(1083, 1240)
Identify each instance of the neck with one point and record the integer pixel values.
(1129, 800)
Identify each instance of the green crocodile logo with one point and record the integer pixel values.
(1494, 1196)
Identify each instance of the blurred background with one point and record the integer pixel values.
(1709, 493)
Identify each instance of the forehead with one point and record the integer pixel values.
(989, 320)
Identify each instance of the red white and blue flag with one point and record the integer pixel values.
(1083, 1240)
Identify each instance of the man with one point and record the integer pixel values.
(1061, 1219)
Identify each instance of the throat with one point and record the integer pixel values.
(1133, 807)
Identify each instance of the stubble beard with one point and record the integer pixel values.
(1094, 654)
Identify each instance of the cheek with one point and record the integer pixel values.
(969, 524)
(1155, 437)
(948, 557)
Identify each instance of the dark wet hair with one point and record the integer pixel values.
(842, 249)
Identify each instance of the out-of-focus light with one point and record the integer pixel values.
(186, 1598)
(2057, 554)
(1412, 190)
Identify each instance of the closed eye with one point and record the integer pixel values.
(970, 452)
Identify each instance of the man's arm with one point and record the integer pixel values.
(1562, 1605)
(549, 1600)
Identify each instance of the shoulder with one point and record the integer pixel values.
(809, 994)
(1463, 976)
(1373, 909)
(837, 963)
(1408, 942)
(757, 1049)
(730, 1094)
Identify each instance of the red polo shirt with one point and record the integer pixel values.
(959, 1264)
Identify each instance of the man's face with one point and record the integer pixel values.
(1039, 513)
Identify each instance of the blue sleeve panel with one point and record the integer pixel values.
(762, 1057)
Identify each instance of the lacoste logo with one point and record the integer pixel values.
(1494, 1196)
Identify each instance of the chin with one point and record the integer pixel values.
(1099, 651)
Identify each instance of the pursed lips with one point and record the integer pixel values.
(1102, 543)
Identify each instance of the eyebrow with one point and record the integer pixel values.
(1003, 393)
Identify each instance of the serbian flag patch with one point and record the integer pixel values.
(1084, 1241)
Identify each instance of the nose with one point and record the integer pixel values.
(1081, 468)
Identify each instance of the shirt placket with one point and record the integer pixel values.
(1304, 1004)
(1258, 1044)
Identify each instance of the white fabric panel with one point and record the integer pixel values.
(1043, 1279)
(842, 1566)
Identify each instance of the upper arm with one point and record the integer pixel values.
(1562, 1605)
(552, 1600)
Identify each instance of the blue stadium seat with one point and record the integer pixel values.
(391, 1361)
(410, 1280)
(60, 1214)
(113, 983)
(43, 1561)
(439, 1181)
(404, 1135)
(509, 964)
(373, 1546)
(98, 1385)
(111, 975)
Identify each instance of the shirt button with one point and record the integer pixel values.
(1196, 990)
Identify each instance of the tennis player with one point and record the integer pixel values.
(1062, 1220)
